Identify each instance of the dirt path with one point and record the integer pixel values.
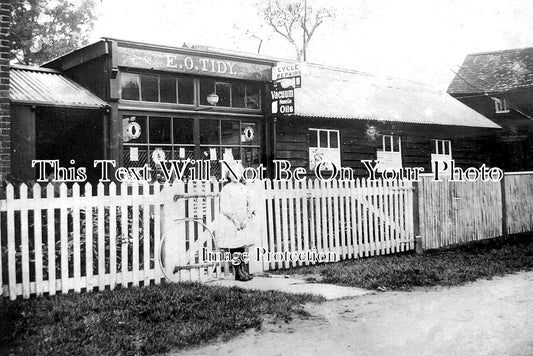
(488, 317)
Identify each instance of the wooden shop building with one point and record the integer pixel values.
(157, 102)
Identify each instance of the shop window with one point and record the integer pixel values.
(209, 132)
(324, 146)
(234, 94)
(183, 131)
(238, 93)
(149, 87)
(207, 86)
(154, 88)
(160, 130)
(441, 153)
(253, 96)
(129, 86)
(185, 90)
(167, 89)
(230, 133)
(223, 90)
(390, 156)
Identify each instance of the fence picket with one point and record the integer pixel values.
(76, 227)
(305, 200)
(64, 246)
(146, 236)
(135, 234)
(300, 195)
(112, 238)
(38, 239)
(157, 232)
(25, 254)
(50, 238)
(125, 238)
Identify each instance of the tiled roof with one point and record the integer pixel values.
(494, 72)
(39, 86)
(344, 94)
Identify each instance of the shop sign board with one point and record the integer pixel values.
(287, 75)
(286, 70)
(282, 101)
(191, 64)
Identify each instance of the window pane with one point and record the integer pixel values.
(129, 86)
(160, 130)
(167, 89)
(185, 90)
(396, 141)
(135, 156)
(333, 139)
(183, 131)
(446, 147)
(237, 95)
(252, 96)
(250, 157)
(134, 129)
(230, 131)
(209, 130)
(207, 86)
(149, 87)
(223, 92)
(313, 138)
(323, 139)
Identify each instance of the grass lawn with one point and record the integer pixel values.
(147, 320)
(446, 266)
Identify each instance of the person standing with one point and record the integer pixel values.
(236, 212)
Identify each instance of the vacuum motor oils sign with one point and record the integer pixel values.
(282, 101)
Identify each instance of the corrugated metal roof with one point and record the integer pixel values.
(39, 86)
(337, 93)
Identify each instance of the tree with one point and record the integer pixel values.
(294, 20)
(45, 29)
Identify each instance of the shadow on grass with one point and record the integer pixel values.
(144, 320)
(446, 266)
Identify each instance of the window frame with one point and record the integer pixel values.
(329, 138)
(441, 143)
(336, 150)
(158, 102)
(501, 106)
(392, 139)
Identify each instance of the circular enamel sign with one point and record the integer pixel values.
(133, 130)
(248, 134)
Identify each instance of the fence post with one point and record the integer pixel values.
(258, 225)
(173, 232)
(419, 242)
(504, 207)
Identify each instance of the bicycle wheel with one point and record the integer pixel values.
(198, 227)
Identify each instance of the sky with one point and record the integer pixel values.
(422, 40)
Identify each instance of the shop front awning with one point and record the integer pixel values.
(344, 94)
(47, 87)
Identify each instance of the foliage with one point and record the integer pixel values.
(294, 21)
(45, 29)
(146, 320)
(446, 266)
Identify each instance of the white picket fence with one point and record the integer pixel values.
(349, 218)
(69, 242)
(66, 240)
